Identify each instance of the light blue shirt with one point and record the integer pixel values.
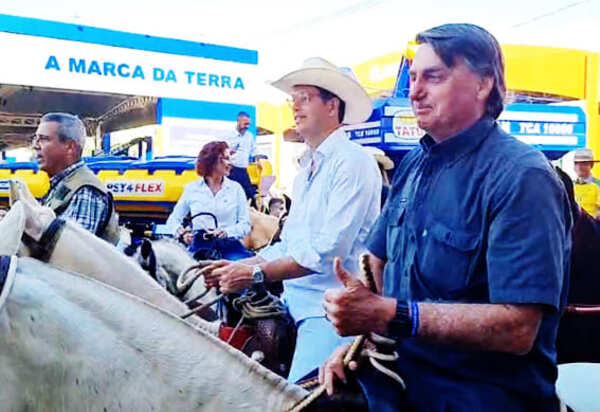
(332, 210)
(228, 205)
(243, 146)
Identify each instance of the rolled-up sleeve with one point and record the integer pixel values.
(377, 240)
(529, 239)
(242, 226)
(353, 193)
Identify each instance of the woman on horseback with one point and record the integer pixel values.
(217, 205)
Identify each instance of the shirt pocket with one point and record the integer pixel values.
(395, 232)
(448, 258)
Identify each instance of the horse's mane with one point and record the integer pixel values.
(173, 246)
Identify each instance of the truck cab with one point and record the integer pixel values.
(552, 125)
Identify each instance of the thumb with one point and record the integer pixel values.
(342, 274)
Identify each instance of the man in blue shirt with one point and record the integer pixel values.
(335, 201)
(243, 148)
(471, 252)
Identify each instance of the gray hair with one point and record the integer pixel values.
(70, 127)
(480, 51)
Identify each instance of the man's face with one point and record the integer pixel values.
(243, 123)
(310, 111)
(277, 209)
(583, 169)
(445, 100)
(52, 155)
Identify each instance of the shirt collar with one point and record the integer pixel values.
(226, 183)
(239, 134)
(582, 180)
(459, 144)
(54, 180)
(326, 148)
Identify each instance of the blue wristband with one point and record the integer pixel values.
(414, 318)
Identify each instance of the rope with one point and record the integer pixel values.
(582, 309)
(253, 305)
(393, 375)
(202, 307)
(195, 298)
(234, 331)
(309, 383)
(183, 283)
(357, 344)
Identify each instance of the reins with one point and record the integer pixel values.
(253, 305)
(575, 309)
(355, 349)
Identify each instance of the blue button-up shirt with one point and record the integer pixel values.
(479, 218)
(335, 201)
(228, 205)
(243, 147)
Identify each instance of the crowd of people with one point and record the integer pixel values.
(470, 254)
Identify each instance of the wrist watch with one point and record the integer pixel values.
(258, 276)
(400, 326)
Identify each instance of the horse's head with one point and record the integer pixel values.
(143, 253)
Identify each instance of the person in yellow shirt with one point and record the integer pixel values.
(587, 187)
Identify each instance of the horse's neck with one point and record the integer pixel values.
(77, 335)
(77, 250)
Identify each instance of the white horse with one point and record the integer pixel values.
(69, 343)
(78, 250)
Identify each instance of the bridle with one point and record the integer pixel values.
(43, 249)
(8, 269)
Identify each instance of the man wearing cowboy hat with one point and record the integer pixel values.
(587, 187)
(336, 198)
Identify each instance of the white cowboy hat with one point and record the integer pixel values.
(584, 155)
(381, 157)
(316, 71)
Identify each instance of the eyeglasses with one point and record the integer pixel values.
(299, 99)
(39, 138)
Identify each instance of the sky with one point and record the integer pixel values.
(346, 32)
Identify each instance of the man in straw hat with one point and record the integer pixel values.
(474, 243)
(587, 187)
(336, 199)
